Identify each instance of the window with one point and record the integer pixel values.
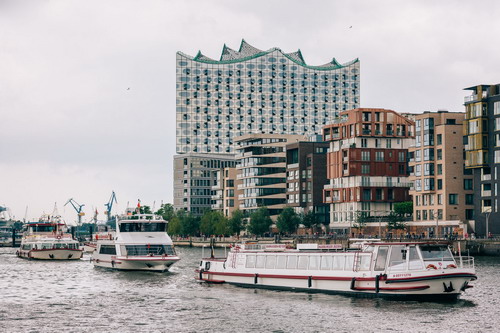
(107, 249)
(428, 184)
(365, 155)
(453, 199)
(467, 184)
(440, 199)
(469, 199)
(379, 156)
(365, 169)
(429, 169)
(429, 154)
(439, 139)
(250, 263)
(439, 169)
(439, 184)
(402, 157)
(364, 143)
(326, 262)
(291, 262)
(418, 170)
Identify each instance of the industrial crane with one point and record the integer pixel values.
(78, 209)
(109, 205)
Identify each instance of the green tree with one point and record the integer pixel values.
(403, 209)
(174, 226)
(259, 221)
(166, 211)
(310, 220)
(213, 223)
(190, 225)
(235, 223)
(288, 220)
(360, 220)
(395, 222)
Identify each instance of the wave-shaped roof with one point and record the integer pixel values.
(247, 52)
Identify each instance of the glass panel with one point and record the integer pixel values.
(292, 262)
(397, 259)
(436, 252)
(365, 263)
(326, 262)
(349, 262)
(381, 258)
(302, 262)
(314, 262)
(270, 262)
(250, 261)
(281, 262)
(414, 260)
(338, 263)
(261, 260)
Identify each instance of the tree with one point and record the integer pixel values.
(360, 220)
(259, 221)
(288, 220)
(235, 223)
(310, 220)
(190, 225)
(166, 211)
(174, 226)
(213, 223)
(403, 209)
(395, 222)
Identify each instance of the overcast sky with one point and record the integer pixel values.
(71, 128)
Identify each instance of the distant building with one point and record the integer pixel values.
(262, 170)
(306, 177)
(194, 176)
(227, 188)
(443, 188)
(366, 164)
(482, 153)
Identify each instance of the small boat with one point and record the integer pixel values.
(140, 243)
(102, 232)
(48, 239)
(413, 270)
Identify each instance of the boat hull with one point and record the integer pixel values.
(51, 254)
(435, 286)
(160, 264)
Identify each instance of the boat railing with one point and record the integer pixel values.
(465, 261)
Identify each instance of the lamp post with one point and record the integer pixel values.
(488, 213)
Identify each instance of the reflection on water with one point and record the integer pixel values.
(55, 296)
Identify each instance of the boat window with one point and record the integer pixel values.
(250, 261)
(60, 246)
(143, 227)
(326, 262)
(436, 252)
(26, 246)
(381, 258)
(314, 262)
(46, 246)
(43, 228)
(397, 259)
(281, 262)
(414, 259)
(270, 262)
(338, 263)
(349, 262)
(148, 249)
(261, 260)
(364, 264)
(292, 262)
(107, 249)
(302, 264)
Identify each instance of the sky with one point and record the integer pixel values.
(87, 88)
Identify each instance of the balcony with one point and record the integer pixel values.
(486, 193)
(486, 177)
(292, 166)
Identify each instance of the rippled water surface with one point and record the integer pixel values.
(37, 296)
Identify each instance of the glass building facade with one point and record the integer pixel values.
(254, 91)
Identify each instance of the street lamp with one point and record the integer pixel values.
(488, 213)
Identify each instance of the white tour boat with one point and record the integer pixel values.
(140, 242)
(405, 269)
(48, 239)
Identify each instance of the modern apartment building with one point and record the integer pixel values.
(194, 176)
(262, 170)
(366, 164)
(443, 189)
(226, 191)
(255, 91)
(306, 177)
(482, 153)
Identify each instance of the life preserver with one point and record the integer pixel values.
(431, 266)
(58, 237)
(451, 266)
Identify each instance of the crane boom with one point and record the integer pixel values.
(78, 208)
(109, 205)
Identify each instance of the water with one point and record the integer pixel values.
(38, 296)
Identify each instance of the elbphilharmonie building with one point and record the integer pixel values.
(254, 91)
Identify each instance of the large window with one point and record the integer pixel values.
(381, 258)
(143, 227)
(467, 184)
(144, 250)
(107, 249)
(453, 199)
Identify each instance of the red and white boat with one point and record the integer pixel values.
(47, 239)
(140, 243)
(400, 270)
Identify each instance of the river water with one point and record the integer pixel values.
(37, 296)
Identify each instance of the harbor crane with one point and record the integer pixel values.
(109, 205)
(78, 209)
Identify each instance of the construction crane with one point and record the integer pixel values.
(109, 205)
(78, 209)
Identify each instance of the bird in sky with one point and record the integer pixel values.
(350, 27)
(128, 88)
